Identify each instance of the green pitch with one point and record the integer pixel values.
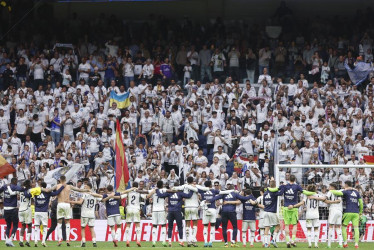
(148, 245)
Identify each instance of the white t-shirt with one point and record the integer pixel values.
(128, 70)
(84, 67)
(37, 126)
(222, 158)
(21, 122)
(38, 72)
(4, 124)
(68, 127)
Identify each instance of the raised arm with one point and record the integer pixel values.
(11, 192)
(17, 188)
(116, 197)
(128, 191)
(178, 188)
(225, 192)
(96, 195)
(308, 193)
(184, 195)
(79, 190)
(162, 195)
(192, 188)
(217, 197)
(296, 205)
(57, 192)
(327, 201)
(202, 188)
(324, 198)
(152, 192)
(237, 202)
(336, 192)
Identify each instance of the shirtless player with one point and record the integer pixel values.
(63, 208)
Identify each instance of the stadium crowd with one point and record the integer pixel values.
(215, 111)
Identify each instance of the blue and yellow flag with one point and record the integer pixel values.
(123, 101)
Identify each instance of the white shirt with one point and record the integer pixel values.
(84, 67)
(148, 69)
(129, 70)
(246, 143)
(267, 78)
(312, 207)
(38, 72)
(133, 200)
(21, 123)
(37, 126)
(335, 207)
(222, 158)
(261, 113)
(158, 202)
(88, 206)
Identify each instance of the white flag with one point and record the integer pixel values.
(54, 175)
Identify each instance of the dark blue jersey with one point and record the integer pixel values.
(112, 205)
(249, 210)
(291, 193)
(271, 201)
(351, 198)
(10, 198)
(175, 200)
(209, 195)
(233, 196)
(42, 200)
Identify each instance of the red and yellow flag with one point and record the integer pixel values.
(369, 159)
(122, 170)
(5, 168)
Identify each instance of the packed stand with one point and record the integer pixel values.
(197, 109)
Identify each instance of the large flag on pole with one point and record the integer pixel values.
(122, 170)
(5, 168)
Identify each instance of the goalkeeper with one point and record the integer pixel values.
(290, 212)
(352, 212)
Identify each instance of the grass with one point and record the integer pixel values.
(148, 245)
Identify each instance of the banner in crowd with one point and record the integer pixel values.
(123, 101)
(360, 72)
(54, 175)
(103, 232)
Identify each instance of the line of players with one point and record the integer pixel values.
(192, 196)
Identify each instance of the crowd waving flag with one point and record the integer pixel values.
(122, 170)
(123, 101)
(53, 176)
(5, 168)
(359, 72)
